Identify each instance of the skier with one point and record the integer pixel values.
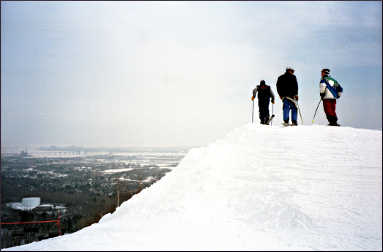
(287, 88)
(330, 90)
(264, 95)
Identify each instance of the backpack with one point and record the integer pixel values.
(264, 92)
(336, 90)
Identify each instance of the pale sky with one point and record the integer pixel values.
(178, 73)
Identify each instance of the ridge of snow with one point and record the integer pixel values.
(258, 188)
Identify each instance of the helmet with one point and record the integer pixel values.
(263, 82)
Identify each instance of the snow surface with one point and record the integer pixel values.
(259, 188)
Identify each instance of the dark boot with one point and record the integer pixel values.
(332, 121)
(294, 123)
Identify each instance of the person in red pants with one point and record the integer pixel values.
(330, 90)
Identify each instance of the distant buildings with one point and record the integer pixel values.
(26, 204)
(50, 209)
(23, 154)
(33, 203)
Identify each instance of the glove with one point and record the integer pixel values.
(252, 98)
(272, 101)
(296, 97)
(322, 95)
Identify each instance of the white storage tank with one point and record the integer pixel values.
(30, 203)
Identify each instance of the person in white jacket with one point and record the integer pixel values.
(330, 90)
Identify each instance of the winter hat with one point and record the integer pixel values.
(263, 82)
(290, 68)
(326, 71)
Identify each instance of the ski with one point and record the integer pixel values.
(296, 105)
(270, 119)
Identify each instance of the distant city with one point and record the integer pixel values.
(72, 186)
(49, 149)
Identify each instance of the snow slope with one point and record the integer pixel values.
(259, 188)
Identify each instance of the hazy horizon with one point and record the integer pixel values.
(178, 73)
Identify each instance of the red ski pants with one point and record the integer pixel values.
(329, 106)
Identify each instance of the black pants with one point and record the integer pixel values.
(264, 114)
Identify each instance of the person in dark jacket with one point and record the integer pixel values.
(264, 95)
(287, 87)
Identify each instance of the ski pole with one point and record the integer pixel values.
(252, 114)
(297, 106)
(316, 110)
(299, 110)
(318, 105)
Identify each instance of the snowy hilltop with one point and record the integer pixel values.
(259, 188)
